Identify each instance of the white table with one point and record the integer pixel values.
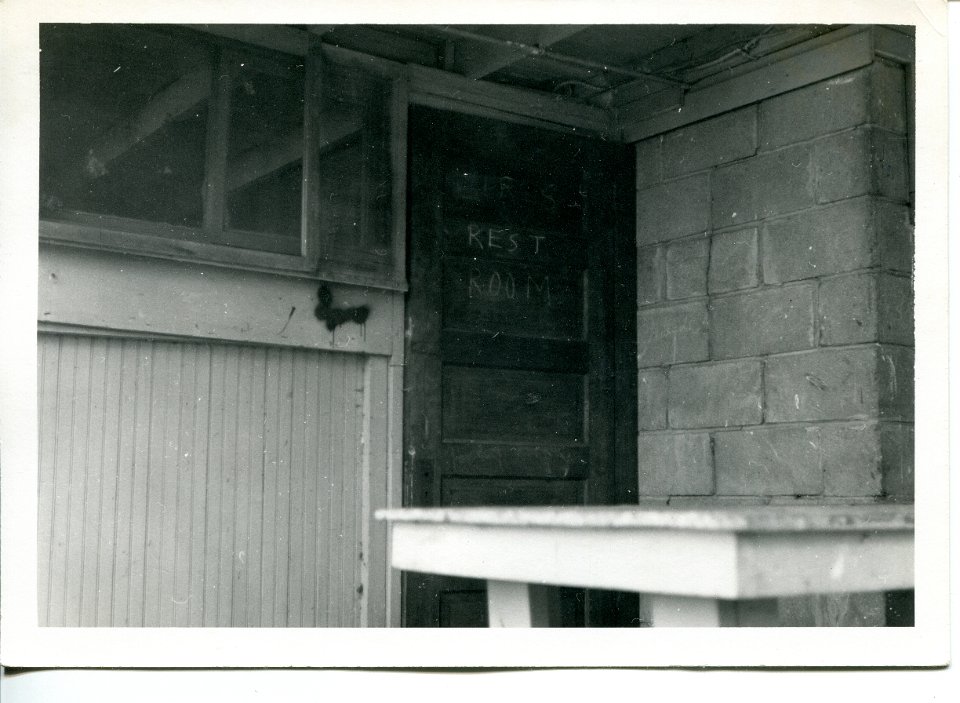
(692, 564)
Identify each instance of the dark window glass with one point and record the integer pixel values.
(355, 178)
(123, 123)
(264, 178)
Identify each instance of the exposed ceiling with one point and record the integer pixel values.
(593, 64)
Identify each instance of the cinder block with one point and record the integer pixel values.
(851, 455)
(687, 268)
(650, 275)
(652, 399)
(717, 501)
(718, 140)
(674, 464)
(649, 162)
(866, 307)
(775, 461)
(733, 261)
(896, 447)
(762, 322)
(674, 209)
(895, 303)
(824, 500)
(763, 186)
(888, 108)
(895, 379)
(848, 309)
(821, 108)
(819, 242)
(864, 161)
(672, 334)
(891, 164)
(894, 234)
(716, 395)
(833, 610)
(825, 384)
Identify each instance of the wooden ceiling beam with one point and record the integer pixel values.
(475, 60)
(179, 97)
(335, 128)
(380, 41)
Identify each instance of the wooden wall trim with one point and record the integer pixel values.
(809, 62)
(141, 296)
(427, 85)
(394, 413)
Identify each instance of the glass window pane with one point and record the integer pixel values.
(264, 179)
(123, 122)
(355, 180)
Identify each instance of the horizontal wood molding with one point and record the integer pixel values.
(429, 83)
(812, 61)
(140, 296)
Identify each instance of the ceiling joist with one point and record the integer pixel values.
(478, 59)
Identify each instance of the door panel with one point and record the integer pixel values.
(510, 340)
(468, 492)
(499, 460)
(497, 404)
(522, 299)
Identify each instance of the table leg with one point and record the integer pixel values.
(681, 611)
(516, 604)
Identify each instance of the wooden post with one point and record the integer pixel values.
(515, 604)
(681, 611)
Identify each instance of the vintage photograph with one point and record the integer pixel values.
(483, 338)
(475, 325)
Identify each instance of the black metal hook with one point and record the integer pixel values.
(337, 316)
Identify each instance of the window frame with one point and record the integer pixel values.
(317, 258)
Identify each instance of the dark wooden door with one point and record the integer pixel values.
(516, 240)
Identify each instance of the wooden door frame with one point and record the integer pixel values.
(608, 223)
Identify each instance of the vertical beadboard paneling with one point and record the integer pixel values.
(228, 477)
(123, 509)
(268, 569)
(255, 498)
(183, 522)
(324, 522)
(282, 514)
(241, 518)
(47, 384)
(112, 403)
(294, 597)
(76, 485)
(139, 508)
(312, 442)
(199, 481)
(173, 437)
(188, 484)
(93, 485)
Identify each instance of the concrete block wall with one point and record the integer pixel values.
(775, 324)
